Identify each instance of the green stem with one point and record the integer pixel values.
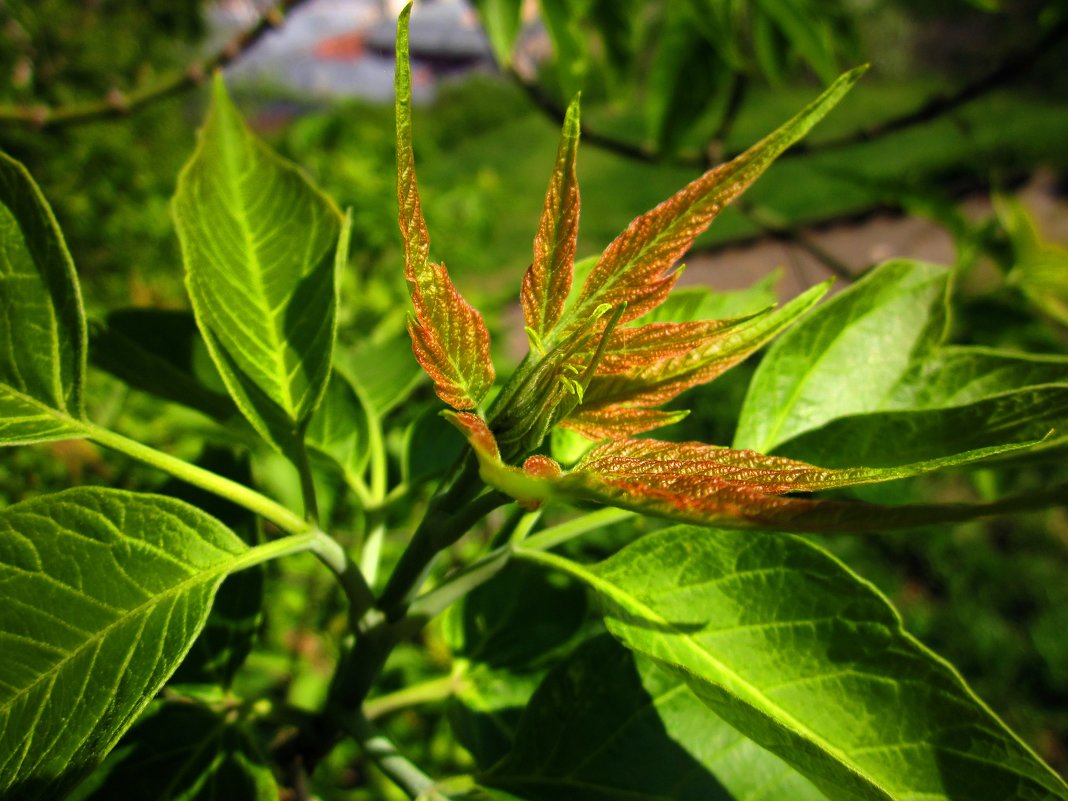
(426, 692)
(199, 477)
(284, 546)
(459, 584)
(381, 750)
(334, 556)
(551, 537)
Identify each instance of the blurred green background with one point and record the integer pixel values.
(965, 101)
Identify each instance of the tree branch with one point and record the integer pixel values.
(118, 103)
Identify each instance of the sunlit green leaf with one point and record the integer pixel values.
(605, 725)
(846, 356)
(340, 429)
(802, 656)
(261, 250)
(102, 592)
(42, 325)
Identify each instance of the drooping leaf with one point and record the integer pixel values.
(501, 19)
(846, 356)
(649, 365)
(808, 660)
(607, 725)
(186, 752)
(547, 283)
(154, 350)
(102, 592)
(449, 337)
(634, 269)
(42, 325)
(697, 483)
(340, 429)
(262, 248)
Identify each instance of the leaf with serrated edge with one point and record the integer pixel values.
(634, 268)
(42, 325)
(607, 725)
(548, 281)
(804, 657)
(449, 337)
(697, 483)
(630, 380)
(102, 592)
(261, 248)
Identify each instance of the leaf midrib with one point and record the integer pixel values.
(617, 594)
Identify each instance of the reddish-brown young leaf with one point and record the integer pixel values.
(634, 269)
(632, 378)
(548, 281)
(449, 336)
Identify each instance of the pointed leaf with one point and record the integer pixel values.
(261, 248)
(613, 421)
(102, 592)
(805, 658)
(634, 269)
(185, 752)
(547, 283)
(867, 337)
(449, 337)
(42, 325)
(701, 303)
(607, 725)
(694, 359)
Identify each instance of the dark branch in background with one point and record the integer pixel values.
(118, 103)
(1012, 67)
(776, 229)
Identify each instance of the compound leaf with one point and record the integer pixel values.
(42, 325)
(102, 592)
(261, 248)
(805, 658)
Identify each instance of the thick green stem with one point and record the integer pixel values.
(348, 574)
(199, 477)
(380, 750)
(427, 692)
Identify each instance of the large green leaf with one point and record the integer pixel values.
(340, 429)
(42, 325)
(846, 356)
(102, 592)
(185, 752)
(799, 654)
(261, 247)
(606, 725)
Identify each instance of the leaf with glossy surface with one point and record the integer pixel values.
(102, 592)
(449, 337)
(547, 283)
(185, 752)
(634, 268)
(42, 325)
(847, 356)
(607, 725)
(805, 658)
(261, 247)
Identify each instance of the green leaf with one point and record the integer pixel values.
(431, 446)
(185, 752)
(607, 725)
(261, 248)
(340, 429)
(688, 81)
(501, 19)
(1040, 268)
(802, 656)
(102, 592)
(383, 371)
(806, 31)
(42, 325)
(154, 350)
(700, 303)
(562, 21)
(846, 356)
(958, 399)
